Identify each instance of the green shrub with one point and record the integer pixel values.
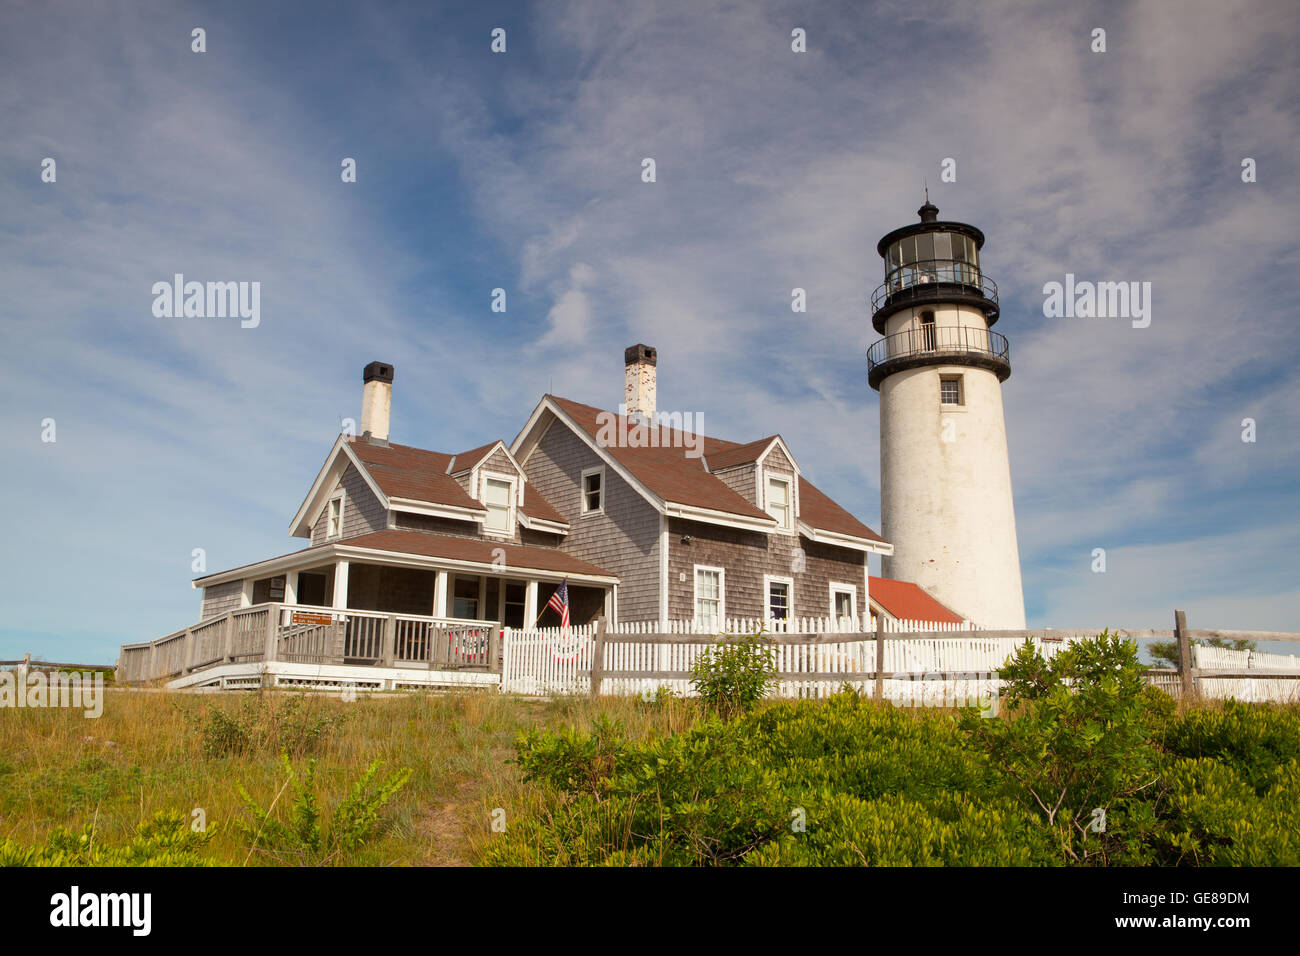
(264, 724)
(1213, 816)
(1257, 741)
(166, 839)
(1076, 751)
(771, 786)
(733, 677)
(308, 837)
(846, 781)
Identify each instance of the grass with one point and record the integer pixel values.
(145, 754)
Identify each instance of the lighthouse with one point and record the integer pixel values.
(945, 477)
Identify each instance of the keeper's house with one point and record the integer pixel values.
(417, 556)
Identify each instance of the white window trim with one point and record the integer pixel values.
(722, 593)
(768, 581)
(512, 509)
(328, 507)
(839, 587)
(583, 510)
(788, 481)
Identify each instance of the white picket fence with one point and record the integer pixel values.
(1255, 689)
(550, 661)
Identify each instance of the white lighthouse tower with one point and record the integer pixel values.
(945, 478)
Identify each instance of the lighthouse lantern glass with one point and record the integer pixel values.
(932, 257)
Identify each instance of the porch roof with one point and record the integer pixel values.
(436, 551)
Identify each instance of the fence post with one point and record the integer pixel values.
(597, 659)
(271, 650)
(390, 639)
(878, 693)
(228, 642)
(494, 648)
(1186, 676)
(507, 649)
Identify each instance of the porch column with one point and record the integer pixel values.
(482, 598)
(246, 595)
(440, 594)
(530, 604)
(291, 587)
(340, 584)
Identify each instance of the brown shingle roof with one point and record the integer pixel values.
(908, 602)
(739, 455)
(453, 548)
(405, 472)
(535, 506)
(672, 476)
(666, 470)
(816, 509)
(468, 459)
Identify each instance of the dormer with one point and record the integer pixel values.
(766, 475)
(491, 476)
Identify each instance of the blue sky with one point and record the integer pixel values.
(522, 171)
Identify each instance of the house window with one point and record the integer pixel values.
(516, 595)
(778, 501)
(464, 603)
(593, 491)
(334, 526)
(709, 597)
(844, 603)
(950, 390)
(496, 496)
(779, 593)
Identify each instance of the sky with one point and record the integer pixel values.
(522, 170)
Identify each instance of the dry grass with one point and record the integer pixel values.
(144, 754)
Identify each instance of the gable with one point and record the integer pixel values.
(681, 485)
(669, 476)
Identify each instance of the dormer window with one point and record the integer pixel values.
(593, 491)
(334, 524)
(779, 503)
(496, 498)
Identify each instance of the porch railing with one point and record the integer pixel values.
(305, 634)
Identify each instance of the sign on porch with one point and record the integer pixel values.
(304, 617)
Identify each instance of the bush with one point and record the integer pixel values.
(1077, 750)
(264, 724)
(731, 678)
(307, 838)
(166, 839)
(845, 781)
(771, 786)
(1257, 741)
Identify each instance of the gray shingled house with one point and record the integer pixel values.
(648, 522)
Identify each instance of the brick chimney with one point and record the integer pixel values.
(640, 382)
(376, 400)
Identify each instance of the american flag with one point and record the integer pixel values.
(560, 602)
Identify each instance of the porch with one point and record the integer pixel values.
(319, 647)
(386, 610)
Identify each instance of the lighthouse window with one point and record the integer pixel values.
(943, 245)
(927, 331)
(950, 390)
